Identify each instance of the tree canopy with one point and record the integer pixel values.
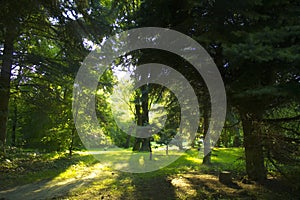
(254, 44)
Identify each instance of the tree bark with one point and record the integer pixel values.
(255, 167)
(146, 146)
(14, 124)
(71, 146)
(206, 142)
(137, 144)
(142, 118)
(5, 83)
(127, 143)
(138, 118)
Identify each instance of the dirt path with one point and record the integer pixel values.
(40, 190)
(100, 182)
(52, 188)
(183, 186)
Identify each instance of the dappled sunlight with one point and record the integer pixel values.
(201, 186)
(196, 160)
(206, 186)
(72, 179)
(136, 162)
(183, 187)
(81, 171)
(88, 178)
(80, 175)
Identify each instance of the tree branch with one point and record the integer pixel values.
(285, 119)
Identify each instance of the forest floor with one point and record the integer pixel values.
(84, 177)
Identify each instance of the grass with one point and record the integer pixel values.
(85, 177)
(28, 167)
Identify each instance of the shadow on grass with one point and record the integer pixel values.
(95, 180)
(83, 177)
(28, 178)
(59, 178)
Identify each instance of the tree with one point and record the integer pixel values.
(254, 45)
(12, 13)
(142, 118)
(259, 59)
(49, 43)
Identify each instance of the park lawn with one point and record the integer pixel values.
(84, 177)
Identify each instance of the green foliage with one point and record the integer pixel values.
(90, 178)
(255, 45)
(48, 48)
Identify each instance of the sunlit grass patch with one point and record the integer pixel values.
(33, 168)
(226, 155)
(231, 159)
(137, 162)
(85, 177)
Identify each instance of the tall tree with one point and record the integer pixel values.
(14, 15)
(254, 45)
(258, 59)
(49, 40)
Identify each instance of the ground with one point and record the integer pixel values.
(83, 177)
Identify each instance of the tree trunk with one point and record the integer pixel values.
(137, 144)
(14, 124)
(138, 118)
(146, 146)
(255, 167)
(167, 150)
(206, 142)
(5, 83)
(142, 118)
(127, 143)
(71, 146)
(207, 153)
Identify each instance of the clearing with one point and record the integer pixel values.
(56, 176)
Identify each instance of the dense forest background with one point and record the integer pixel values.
(255, 45)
